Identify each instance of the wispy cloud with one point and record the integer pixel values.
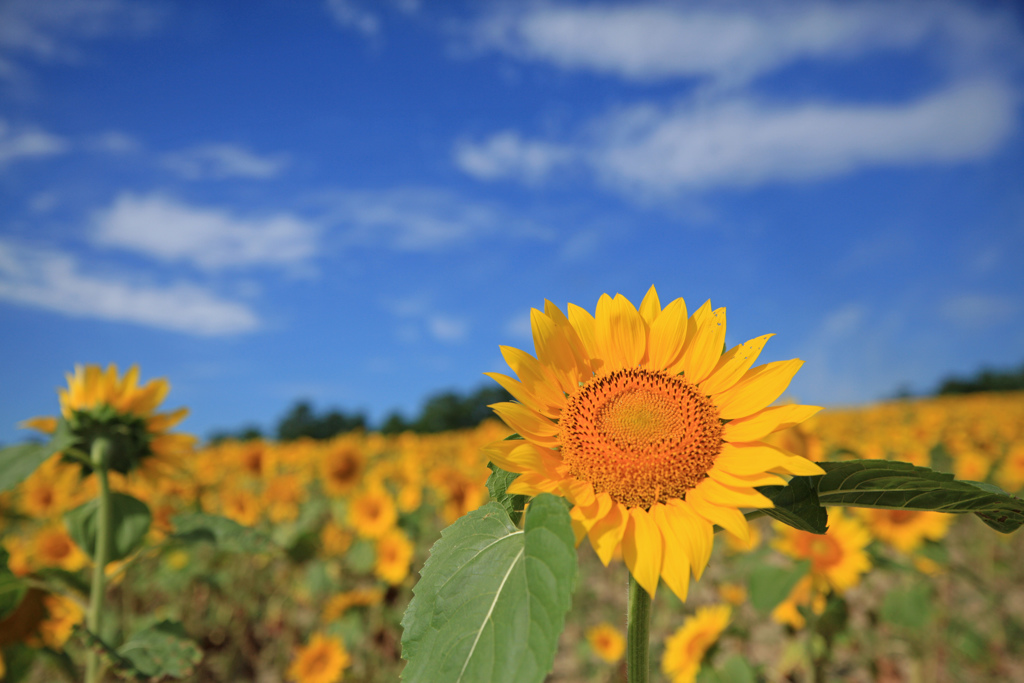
(508, 154)
(209, 238)
(729, 43)
(55, 281)
(742, 141)
(219, 161)
(349, 14)
(972, 311)
(419, 219)
(419, 316)
(52, 30)
(27, 143)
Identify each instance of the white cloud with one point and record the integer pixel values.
(744, 142)
(730, 43)
(27, 143)
(976, 310)
(506, 155)
(349, 14)
(113, 142)
(219, 161)
(419, 219)
(54, 281)
(209, 238)
(49, 30)
(446, 328)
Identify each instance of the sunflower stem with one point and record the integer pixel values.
(101, 554)
(638, 634)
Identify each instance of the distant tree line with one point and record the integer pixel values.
(441, 412)
(984, 380)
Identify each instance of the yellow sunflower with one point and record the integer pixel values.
(685, 649)
(322, 660)
(837, 557)
(906, 530)
(342, 467)
(360, 597)
(639, 420)
(372, 513)
(607, 642)
(394, 553)
(99, 402)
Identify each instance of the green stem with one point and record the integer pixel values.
(638, 634)
(101, 555)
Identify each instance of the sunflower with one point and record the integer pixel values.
(322, 660)
(685, 649)
(52, 547)
(99, 403)
(372, 513)
(607, 642)
(838, 558)
(394, 552)
(342, 602)
(906, 530)
(63, 614)
(647, 428)
(342, 467)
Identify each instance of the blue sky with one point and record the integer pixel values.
(358, 202)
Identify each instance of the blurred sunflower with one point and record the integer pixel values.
(99, 403)
(394, 552)
(607, 642)
(322, 660)
(342, 467)
(685, 649)
(838, 557)
(905, 530)
(372, 512)
(360, 597)
(639, 420)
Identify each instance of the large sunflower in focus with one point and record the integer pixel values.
(640, 420)
(100, 402)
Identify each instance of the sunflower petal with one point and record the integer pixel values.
(705, 349)
(524, 396)
(733, 364)
(668, 336)
(675, 562)
(620, 333)
(642, 549)
(650, 307)
(719, 494)
(764, 422)
(535, 378)
(696, 530)
(758, 479)
(555, 351)
(745, 459)
(527, 423)
(606, 534)
(729, 518)
(756, 389)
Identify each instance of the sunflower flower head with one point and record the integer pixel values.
(647, 428)
(685, 649)
(101, 403)
(607, 642)
(322, 660)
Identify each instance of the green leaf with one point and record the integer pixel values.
(902, 486)
(226, 534)
(498, 484)
(771, 585)
(735, 669)
(12, 591)
(797, 505)
(492, 599)
(17, 462)
(163, 649)
(130, 518)
(18, 659)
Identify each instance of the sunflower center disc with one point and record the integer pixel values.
(642, 436)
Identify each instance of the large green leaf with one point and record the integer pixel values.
(130, 518)
(163, 649)
(17, 462)
(497, 485)
(902, 486)
(797, 505)
(225, 533)
(492, 599)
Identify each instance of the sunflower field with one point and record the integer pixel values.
(132, 552)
